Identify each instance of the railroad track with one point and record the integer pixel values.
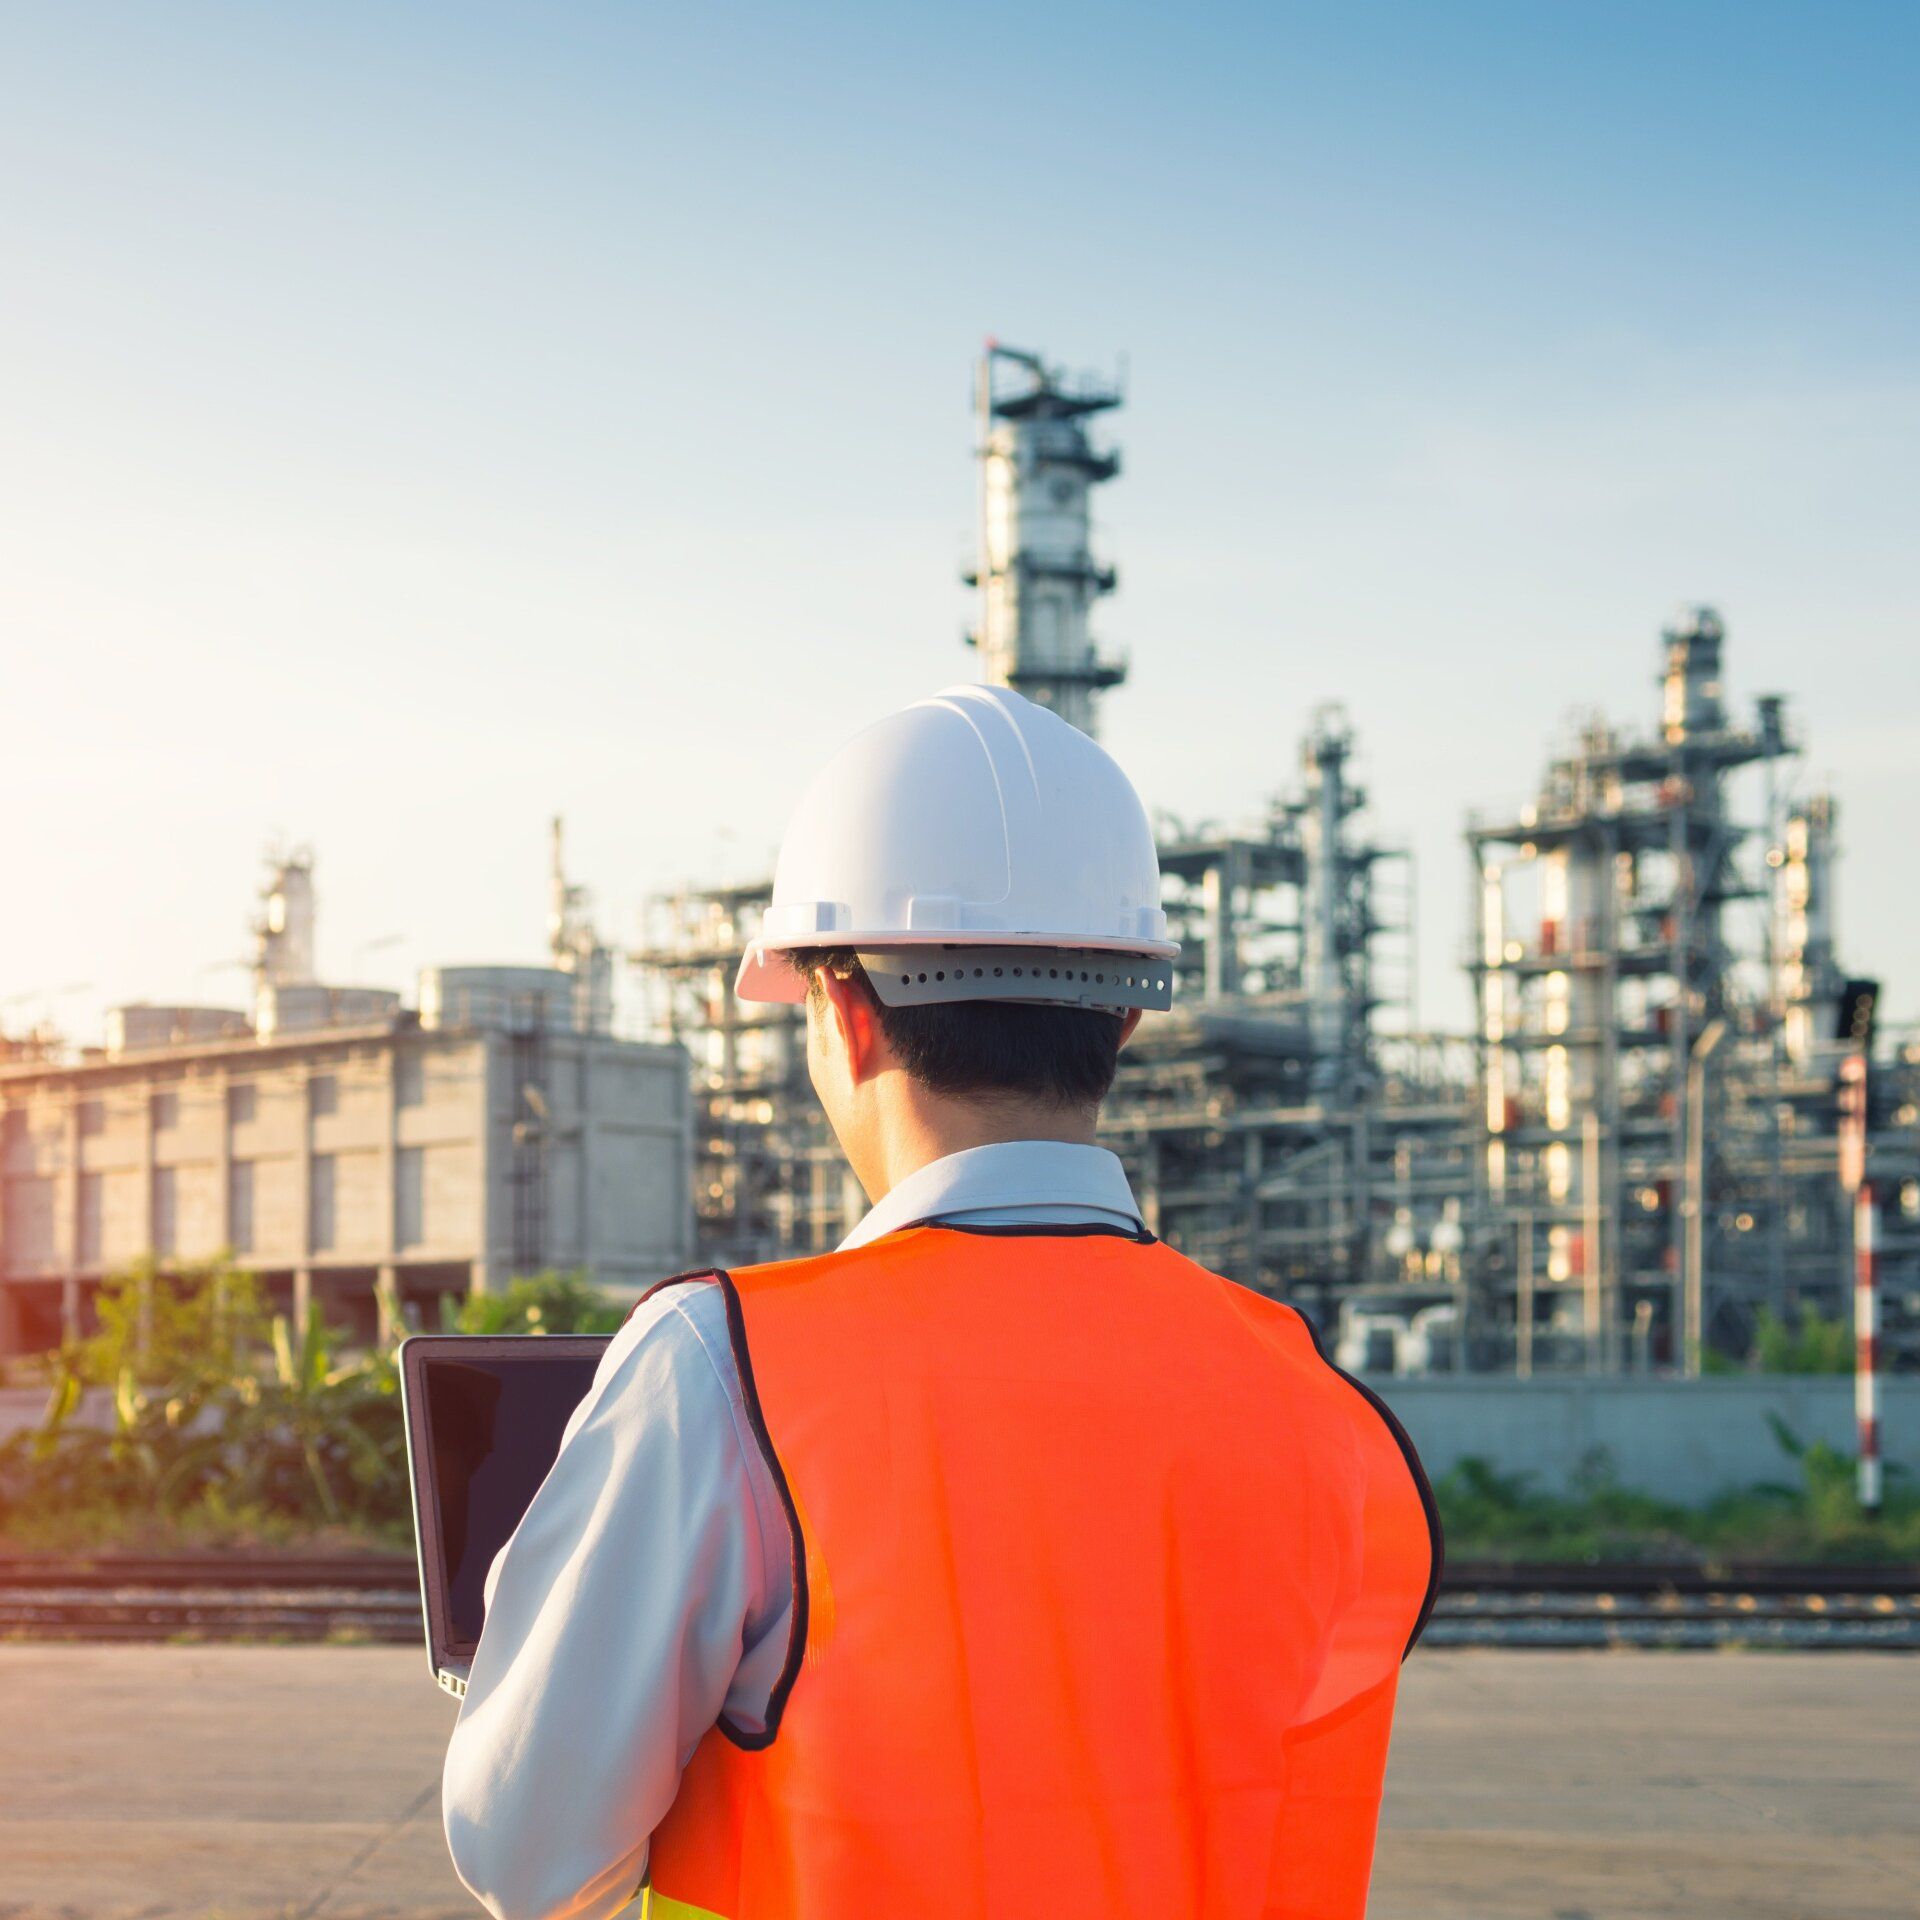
(356, 1597)
(1677, 1605)
(373, 1598)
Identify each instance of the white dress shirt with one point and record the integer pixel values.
(649, 1587)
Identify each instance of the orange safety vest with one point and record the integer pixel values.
(1102, 1580)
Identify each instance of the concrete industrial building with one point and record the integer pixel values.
(341, 1146)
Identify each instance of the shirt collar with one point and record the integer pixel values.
(1010, 1174)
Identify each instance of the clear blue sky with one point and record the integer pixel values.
(417, 420)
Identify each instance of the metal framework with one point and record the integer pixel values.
(1633, 1151)
(1036, 571)
(768, 1180)
(1284, 1123)
(1656, 989)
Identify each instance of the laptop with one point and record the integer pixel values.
(484, 1417)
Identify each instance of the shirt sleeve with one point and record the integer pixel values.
(646, 1591)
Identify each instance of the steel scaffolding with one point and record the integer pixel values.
(1629, 1156)
(1656, 988)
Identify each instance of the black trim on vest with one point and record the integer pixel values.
(797, 1632)
(750, 1399)
(1435, 1533)
(673, 1280)
(1026, 1230)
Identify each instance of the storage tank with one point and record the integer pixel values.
(139, 1025)
(499, 999)
(306, 1006)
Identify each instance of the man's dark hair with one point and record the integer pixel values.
(987, 1047)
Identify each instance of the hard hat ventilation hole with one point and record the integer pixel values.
(923, 979)
(939, 976)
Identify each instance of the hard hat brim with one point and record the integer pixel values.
(766, 975)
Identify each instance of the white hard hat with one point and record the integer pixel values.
(986, 841)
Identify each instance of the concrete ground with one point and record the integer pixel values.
(255, 1782)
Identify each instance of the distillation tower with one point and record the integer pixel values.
(283, 934)
(1657, 1040)
(1811, 983)
(1036, 573)
(1633, 1152)
(1284, 1122)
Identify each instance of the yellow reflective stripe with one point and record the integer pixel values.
(658, 1906)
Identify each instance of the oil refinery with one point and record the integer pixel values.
(1636, 1148)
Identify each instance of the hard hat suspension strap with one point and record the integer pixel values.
(923, 976)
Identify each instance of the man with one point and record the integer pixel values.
(1001, 1562)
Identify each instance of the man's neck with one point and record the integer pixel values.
(923, 1127)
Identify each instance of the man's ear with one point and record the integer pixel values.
(1128, 1021)
(850, 1014)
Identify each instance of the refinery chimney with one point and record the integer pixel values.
(572, 942)
(283, 951)
(1036, 572)
(1692, 698)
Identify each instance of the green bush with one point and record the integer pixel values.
(227, 1429)
(549, 1302)
(1813, 1343)
(1816, 1516)
(208, 1321)
(1492, 1515)
(1817, 1345)
(308, 1440)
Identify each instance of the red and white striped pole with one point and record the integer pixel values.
(1866, 1346)
(1866, 1282)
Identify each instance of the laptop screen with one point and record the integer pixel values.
(494, 1419)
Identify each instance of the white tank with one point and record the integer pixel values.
(1810, 982)
(306, 1006)
(499, 999)
(133, 1028)
(1493, 1017)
